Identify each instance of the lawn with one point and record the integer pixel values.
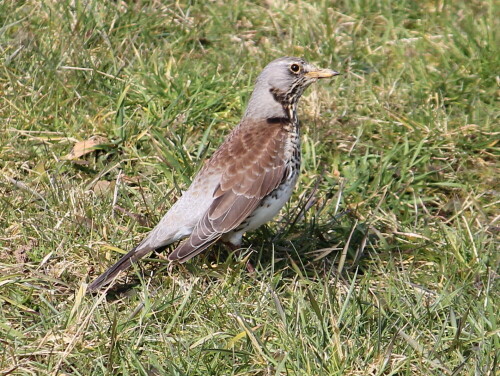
(385, 261)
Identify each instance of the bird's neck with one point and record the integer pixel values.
(270, 104)
(291, 111)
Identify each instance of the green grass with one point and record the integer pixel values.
(386, 260)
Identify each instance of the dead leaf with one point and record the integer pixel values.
(85, 147)
(84, 221)
(141, 219)
(21, 252)
(104, 187)
(132, 180)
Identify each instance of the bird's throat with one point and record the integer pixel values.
(273, 106)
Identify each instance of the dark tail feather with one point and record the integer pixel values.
(122, 264)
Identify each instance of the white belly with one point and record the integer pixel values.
(271, 206)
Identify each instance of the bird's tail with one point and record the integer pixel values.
(122, 264)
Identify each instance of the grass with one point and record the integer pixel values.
(385, 262)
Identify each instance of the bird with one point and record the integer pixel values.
(246, 181)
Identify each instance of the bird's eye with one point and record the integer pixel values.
(295, 68)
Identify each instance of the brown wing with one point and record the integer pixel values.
(254, 163)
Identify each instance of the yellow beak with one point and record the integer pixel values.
(321, 73)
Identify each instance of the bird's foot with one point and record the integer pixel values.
(249, 267)
(234, 247)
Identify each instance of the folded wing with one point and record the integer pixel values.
(255, 165)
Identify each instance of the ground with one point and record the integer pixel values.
(385, 262)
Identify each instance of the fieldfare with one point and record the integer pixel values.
(246, 181)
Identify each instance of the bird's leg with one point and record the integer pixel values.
(250, 267)
(234, 247)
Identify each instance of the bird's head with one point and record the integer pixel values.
(291, 75)
(283, 81)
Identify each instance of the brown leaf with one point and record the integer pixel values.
(142, 220)
(132, 180)
(84, 221)
(21, 252)
(104, 187)
(85, 147)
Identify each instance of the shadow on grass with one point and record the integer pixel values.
(337, 246)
